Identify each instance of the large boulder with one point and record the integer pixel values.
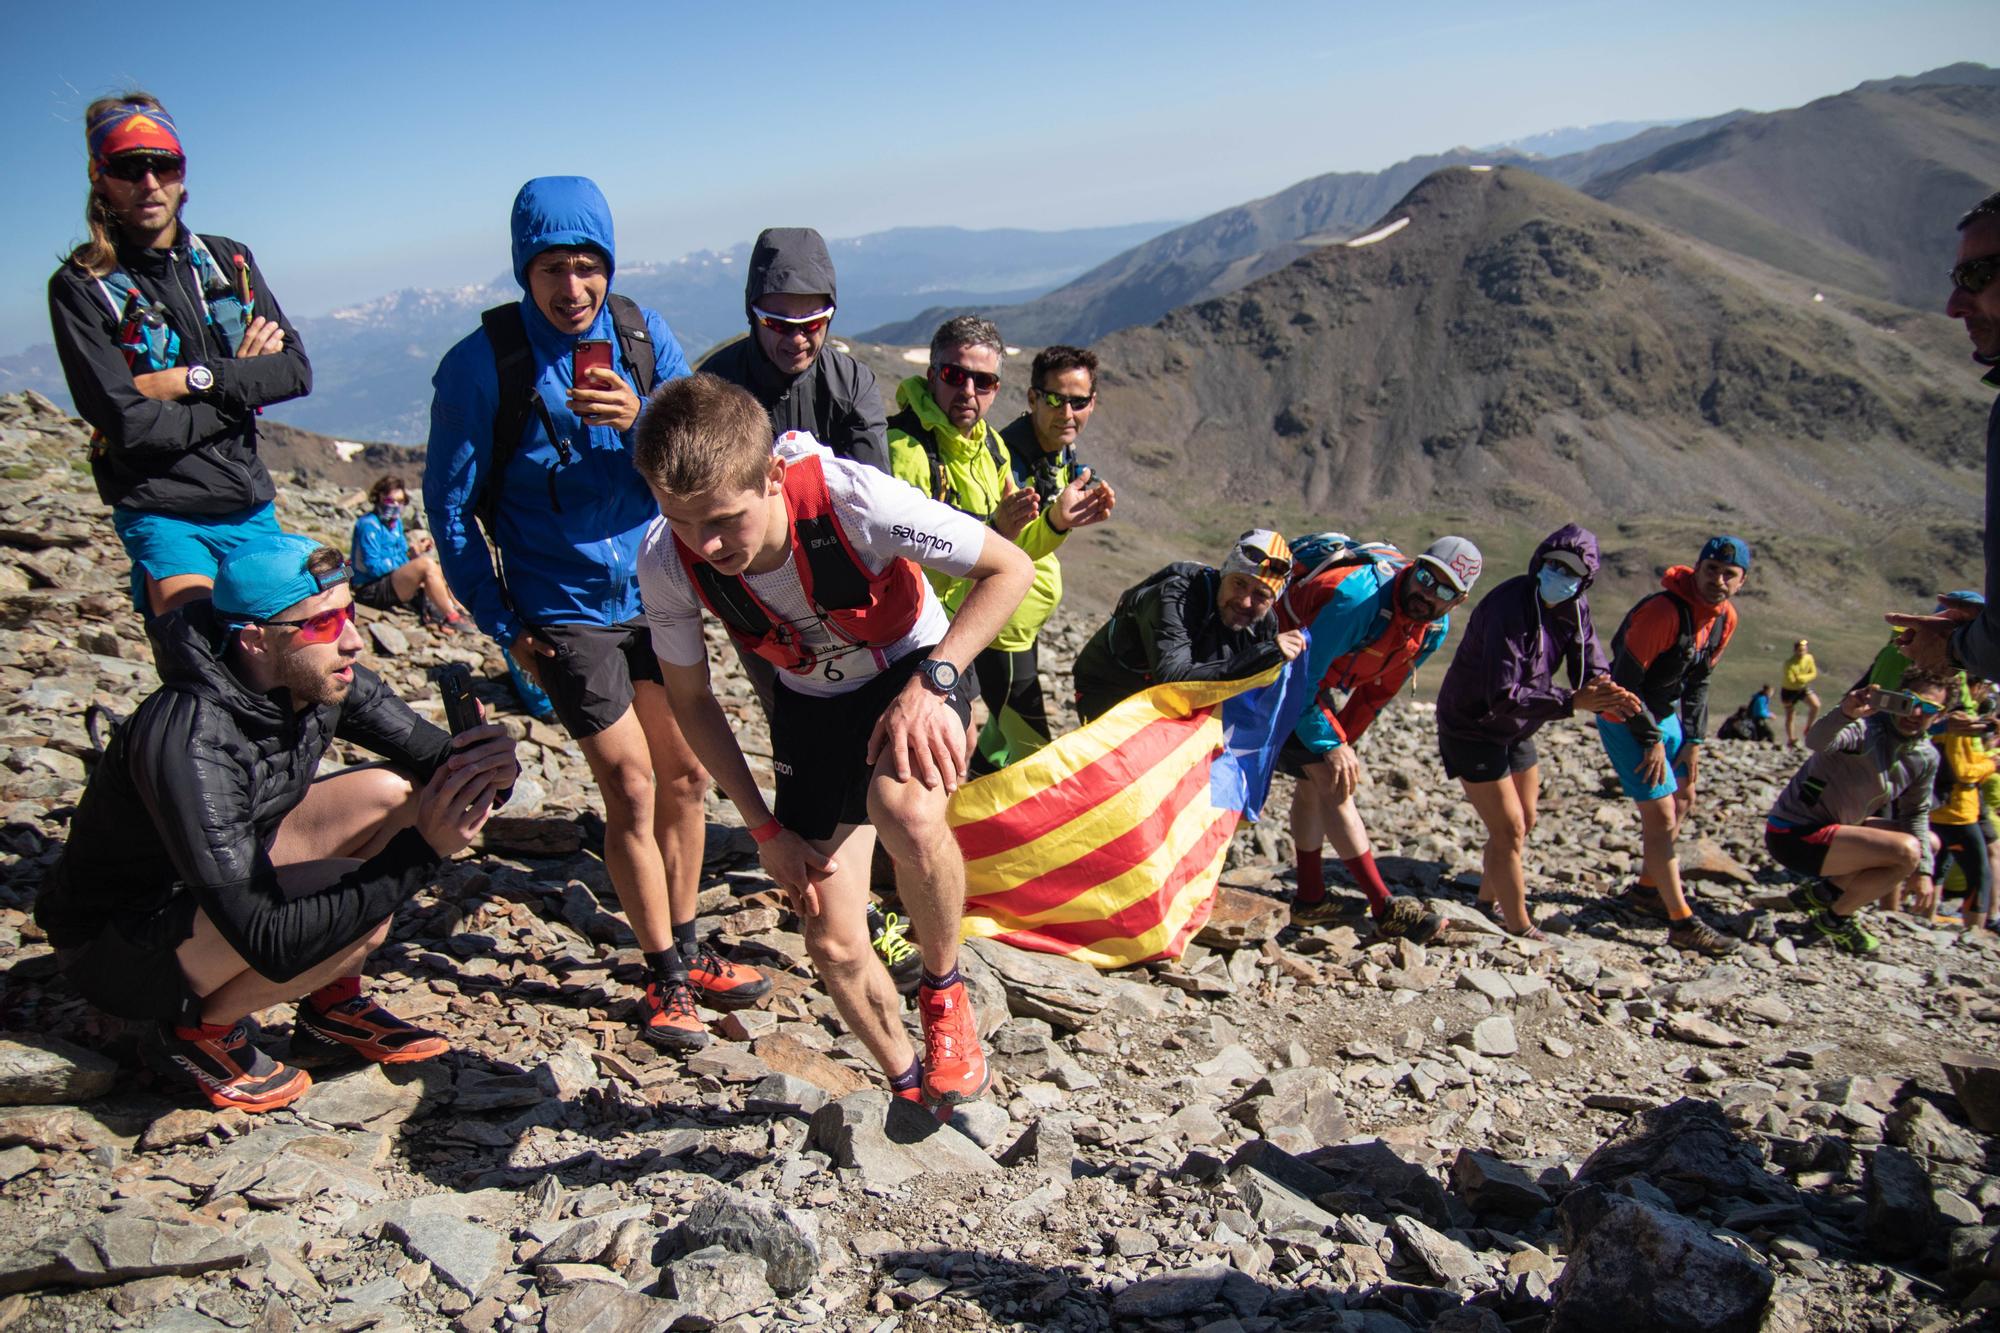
(1975, 1080)
(1634, 1266)
(1902, 1216)
(786, 1239)
(1688, 1151)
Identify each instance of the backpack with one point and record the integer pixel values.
(514, 364)
(145, 334)
(908, 422)
(1323, 551)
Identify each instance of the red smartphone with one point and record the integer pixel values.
(588, 354)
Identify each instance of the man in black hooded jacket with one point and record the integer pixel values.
(785, 363)
(210, 874)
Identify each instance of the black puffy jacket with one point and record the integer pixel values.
(196, 457)
(189, 796)
(835, 399)
(1168, 628)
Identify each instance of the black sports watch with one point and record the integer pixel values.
(200, 379)
(939, 676)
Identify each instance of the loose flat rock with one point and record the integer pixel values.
(1063, 992)
(1442, 1257)
(119, 1249)
(372, 1097)
(43, 1071)
(1902, 1214)
(1975, 1081)
(1701, 1032)
(785, 1055)
(1170, 1294)
(599, 1307)
(1238, 919)
(716, 1285)
(1704, 859)
(1490, 1184)
(1634, 1266)
(463, 1254)
(785, 1239)
(891, 1141)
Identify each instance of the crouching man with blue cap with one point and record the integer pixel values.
(209, 874)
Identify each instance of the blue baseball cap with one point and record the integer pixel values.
(1730, 550)
(262, 577)
(1963, 597)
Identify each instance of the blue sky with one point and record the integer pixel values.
(364, 147)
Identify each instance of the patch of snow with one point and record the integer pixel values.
(1479, 168)
(1818, 297)
(1379, 234)
(840, 346)
(347, 449)
(917, 356)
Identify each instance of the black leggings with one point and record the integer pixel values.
(1011, 685)
(1966, 843)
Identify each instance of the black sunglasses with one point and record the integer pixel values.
(1077, 402)
(1973, 275)
(135, 167)
(957, 376)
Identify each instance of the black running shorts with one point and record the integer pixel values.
(590, 678)
(128, 969)
(820, 747)
(1477, 760)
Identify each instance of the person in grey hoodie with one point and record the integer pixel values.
(1501, 687)
(789, 296)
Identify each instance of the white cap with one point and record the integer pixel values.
(1455, 560)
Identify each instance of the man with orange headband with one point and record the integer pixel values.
(170, 343)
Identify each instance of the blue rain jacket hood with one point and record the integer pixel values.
(560, 210)
(572, 511)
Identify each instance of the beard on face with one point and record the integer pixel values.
(311, 684)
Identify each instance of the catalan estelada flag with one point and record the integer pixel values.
(1105, 845)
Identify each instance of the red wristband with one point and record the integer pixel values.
(767, 830)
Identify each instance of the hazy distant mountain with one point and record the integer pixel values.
(1857, 191)
(372, 363)
(1913, 167)
(1577, 138)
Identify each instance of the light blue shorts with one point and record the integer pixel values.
(163, 545)
(1626, 756)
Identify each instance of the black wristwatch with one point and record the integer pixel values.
(200, 380)
(939, 677)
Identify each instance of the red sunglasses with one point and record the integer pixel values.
(322, 628)
(957, 376)
(806, 325)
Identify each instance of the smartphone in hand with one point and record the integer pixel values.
(589, 354)
(1897, 703)
(461, 710)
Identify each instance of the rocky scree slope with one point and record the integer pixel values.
(1284, 1130)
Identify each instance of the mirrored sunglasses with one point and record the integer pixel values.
(958, 377)
(322, 628)
(1432, 584)
(1263, 561)
(1973, 276)
(1075, 402)
(788, 326)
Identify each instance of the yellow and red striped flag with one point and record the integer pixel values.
(1105, 845)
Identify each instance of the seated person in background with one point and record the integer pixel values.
(394, 567)
(208, 875)
(1191, 622)
(1760, 716)
(1855, 817)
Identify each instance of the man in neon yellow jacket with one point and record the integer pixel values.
(941, 442)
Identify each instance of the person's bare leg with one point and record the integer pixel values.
(1812, 709)
(353, 813)
(909, 818)
(1867, 862)
(847, 963)
(1657, 830)
(1502, 879)
(177, 590)
(622, 764)
(1345, 830)
(679, 786)
(1791, 707)
(206, 956)
(1308, 825)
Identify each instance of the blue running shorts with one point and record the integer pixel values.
(163, 545)
(1626, 755)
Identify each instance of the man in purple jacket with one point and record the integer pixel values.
(1501, 687)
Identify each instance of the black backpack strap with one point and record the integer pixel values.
(908, 422)
(838, 584)
(514, 366)
(635, 342)
(731, 601)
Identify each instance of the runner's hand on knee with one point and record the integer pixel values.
(1343, 773)
(921, 738)
(791, 861)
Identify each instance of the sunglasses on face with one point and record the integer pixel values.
(1434, 585)
(1075, 402)
(1973, 275)
(135, 167)
(322, 628)
(1263, 562)
(785, 326)
(958, 377)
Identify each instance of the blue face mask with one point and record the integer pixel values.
(389, 510)
(1557, 585)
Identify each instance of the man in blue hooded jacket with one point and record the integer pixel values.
(566, 514)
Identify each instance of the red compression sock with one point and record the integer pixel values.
(204, 1031)
(1312, 877)
(1365, 874)
(335, 992)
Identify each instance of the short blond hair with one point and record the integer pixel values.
(702, 434)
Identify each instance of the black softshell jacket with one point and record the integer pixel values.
(197, 457)
(835, 399)
(1168, 628)
(189, 795)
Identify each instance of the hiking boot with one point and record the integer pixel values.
(954, 1065)
(1813, 897)
(360, 1027)
(721, 984)
(1697, 936)
(230, 1070)
(1639, 900)
(1845, 933)
(670, 1021)
(892, 945)
(1316, 911)
(1408, 919)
